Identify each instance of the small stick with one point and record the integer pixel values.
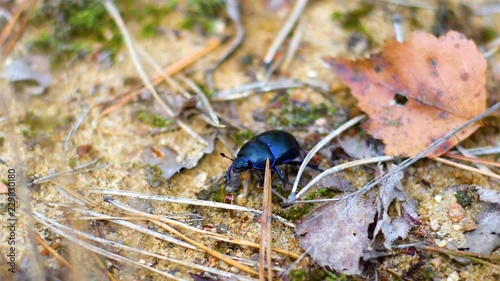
(285, 30)
(477, 151)
(75, 127)
(259, 87)
(234, 11)
(472, 159)
(465, 167)
(204, 100)
(171, 70)
(115, 14)
(317, 147)
(159, 221)
(294, 44)
(12, 23)
(342, 167)
(50, 250)
(185, 201)
(398, 28)
(76, 170)
(265, 236)
(412, 4)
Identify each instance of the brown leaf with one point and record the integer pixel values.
(417, 91)
(336, 234)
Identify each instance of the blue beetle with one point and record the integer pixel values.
(278, 146)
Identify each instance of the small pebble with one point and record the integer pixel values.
(434, 224)
(312, 74)
(453, 276)
(469, 224)
(438, 198)
(456, 212)
(442, 243)
(457, 227)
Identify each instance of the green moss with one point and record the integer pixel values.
(243, 136)
(2, 141)
(489, 33)
(4, 181)
(151, 15)
(464, 197)
(216, 192)
(154, 175)
(298, 275)
(297, 114)
(34, 124)
(202, 13)
(72, 162)
(152, 119)
(352, 20)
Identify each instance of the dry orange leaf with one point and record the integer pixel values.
(417, 91)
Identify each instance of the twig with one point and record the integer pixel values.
(159, 221)
(294, 44)
(75, 127)
(340, 168)
(234, 11)
(411, 4)
(408, 162)
(12, 23)
(203, 98)
(285, 30)
(50, 250)
(472, 159)
(185, 201)
(468, 168)
(477, 258)
(160, 73)
(398, 28)
(265, 236)
(481, 150)
(115, 14)
(139, 228)
(58, 229)
(246, 90)
(174, 68)
(76, 170)
(316, 148)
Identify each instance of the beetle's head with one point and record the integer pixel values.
(232, 179)
(241, 164)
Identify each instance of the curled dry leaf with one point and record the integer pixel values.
(30, 68)
(171, 161)
(336, 234)
(417, 91)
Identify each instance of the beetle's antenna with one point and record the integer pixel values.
(225, 156)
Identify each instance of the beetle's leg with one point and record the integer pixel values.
(282, 176)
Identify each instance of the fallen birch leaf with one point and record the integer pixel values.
(336, 234)
(417, 91)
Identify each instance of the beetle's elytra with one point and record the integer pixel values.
(278, 146)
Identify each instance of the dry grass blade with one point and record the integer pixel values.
(285, 30)
(171, 70)
(467, 168)
(316, 148)
(12, 23)
(50, 250)
(408, 162)
(77, 170)
(115, 14)
(184, 201)
(265, 237)
(234, 12)
(75, 127)
(159, 221)
(477, 258)
(337, 168)
(74, 238)
(472, 159)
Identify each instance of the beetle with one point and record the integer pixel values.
(278, 146)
